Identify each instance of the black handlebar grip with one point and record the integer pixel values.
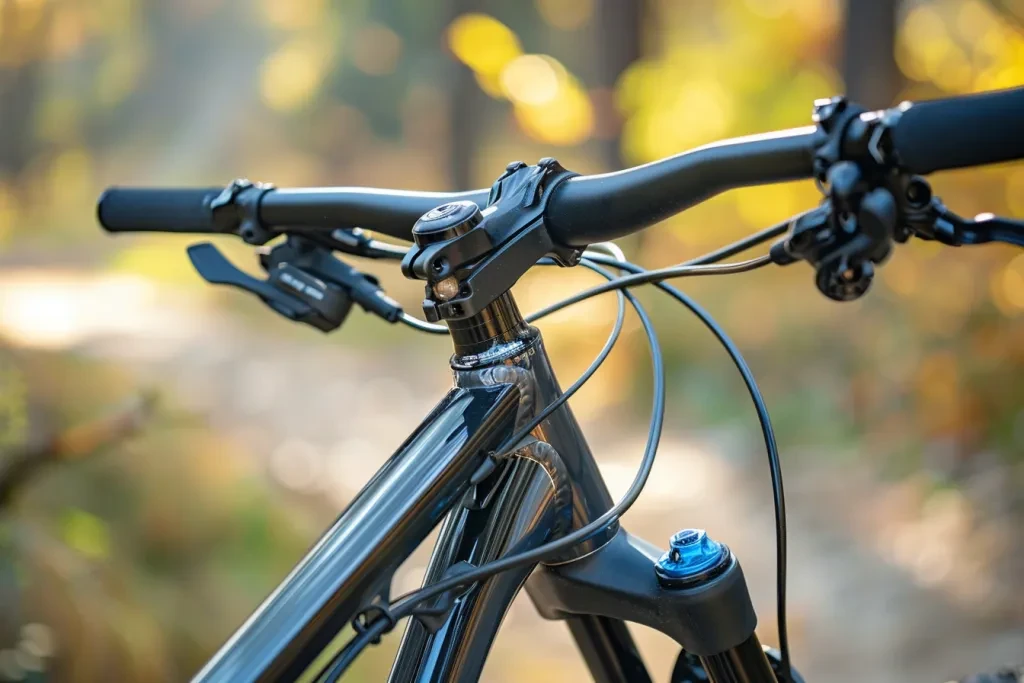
(136, 209)
(957, 132)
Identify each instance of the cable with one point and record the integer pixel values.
(743, 244)
(422, 325)
(349, 653)
(642, 277)
(404, 605)
(387, 250)
(778, 493)
(353, 648)
(774, 464)
(524, 431)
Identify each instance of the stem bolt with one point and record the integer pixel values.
(446, 289)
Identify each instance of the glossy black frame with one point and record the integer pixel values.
(548, 485)
(551, 484)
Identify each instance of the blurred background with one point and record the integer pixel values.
(168, 450)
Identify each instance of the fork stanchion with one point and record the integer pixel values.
(707, 575)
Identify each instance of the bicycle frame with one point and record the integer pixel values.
(502, 378)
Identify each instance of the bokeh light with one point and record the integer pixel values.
(290, 76)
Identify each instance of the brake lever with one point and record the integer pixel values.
(289, 291)
(955, 231)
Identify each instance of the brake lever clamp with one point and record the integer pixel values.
(470, 257)
(236, 208)
(845, 237)
(833, 116)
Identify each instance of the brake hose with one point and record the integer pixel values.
(405, 605)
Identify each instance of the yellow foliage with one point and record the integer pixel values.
(902, 274)
(565, 119)
(86, 533)
(111, 17)
(70, 177)
(483, 43)
(532, 79)
(67, 32)
(490, 84)
(671, 120)
(57, 120)
(293, 14)
(163, 258)
(119, 73)
(974, 20)
(291, 76)
(8, 212)
(960, 46)
(1011, 281)
(770, 204)
(1015, 193)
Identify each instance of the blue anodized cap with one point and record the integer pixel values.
(691, 555)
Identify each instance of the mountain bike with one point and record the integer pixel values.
(501, 463)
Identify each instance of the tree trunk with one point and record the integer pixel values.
(466, 107)
(869, 52)
(19, 88)
(619, 44)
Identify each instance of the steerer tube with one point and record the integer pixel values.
(745, 663)
(498, 323)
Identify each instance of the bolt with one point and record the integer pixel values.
(918, 193)
(446, 289)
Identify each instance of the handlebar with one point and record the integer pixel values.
(137, 209)
(585, 209)
(391, 212)
(927, 136)
(589, 209)
(958, 132)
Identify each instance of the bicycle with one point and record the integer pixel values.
(501, 463)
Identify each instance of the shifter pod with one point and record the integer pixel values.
(305, 283)
(469, 257)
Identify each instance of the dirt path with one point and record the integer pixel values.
(323, 417)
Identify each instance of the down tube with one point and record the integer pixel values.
(355, 559)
